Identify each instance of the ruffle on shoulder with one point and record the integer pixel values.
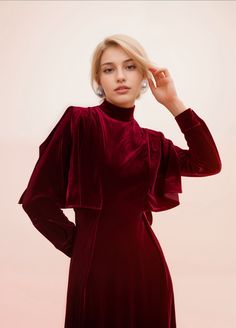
(67, 170)
(165, 175)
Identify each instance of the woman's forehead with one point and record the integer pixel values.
(115, 55)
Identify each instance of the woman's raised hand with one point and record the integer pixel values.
(164, 91)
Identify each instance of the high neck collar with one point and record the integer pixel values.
(117, 112)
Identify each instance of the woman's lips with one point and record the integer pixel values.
(124, 90)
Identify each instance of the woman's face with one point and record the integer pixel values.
(121, 70)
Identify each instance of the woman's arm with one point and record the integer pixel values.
(51, 222)
(202, 158)
(46, 191)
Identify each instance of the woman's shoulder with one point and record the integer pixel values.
(82, 111)
(153, 134)
(157, 140)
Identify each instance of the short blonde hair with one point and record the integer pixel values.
(130, 46)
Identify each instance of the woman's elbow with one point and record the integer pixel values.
(206, 168)
(31, 205)
(215, 168)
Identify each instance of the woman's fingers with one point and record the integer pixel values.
(162, 74)
(151, 84)
(159, 72)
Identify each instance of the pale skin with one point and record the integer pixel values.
(123, 72)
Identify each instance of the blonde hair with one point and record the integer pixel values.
(130, 46)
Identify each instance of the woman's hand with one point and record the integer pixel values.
(164, 91)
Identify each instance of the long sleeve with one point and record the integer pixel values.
(202, 158)
(51, 222)
(168, 162)
(46, 190)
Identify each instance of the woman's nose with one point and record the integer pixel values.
(120, 74)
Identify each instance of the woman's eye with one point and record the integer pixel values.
(131, 66)
(107, 70)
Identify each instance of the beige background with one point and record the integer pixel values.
(46, 48)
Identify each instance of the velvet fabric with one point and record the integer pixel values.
(113, 172)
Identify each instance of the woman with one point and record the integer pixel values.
(114, 173)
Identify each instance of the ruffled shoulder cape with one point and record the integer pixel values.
(68, 170)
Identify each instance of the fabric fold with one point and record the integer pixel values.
(168, 162)
(68, 168)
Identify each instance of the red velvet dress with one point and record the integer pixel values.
(114, 173)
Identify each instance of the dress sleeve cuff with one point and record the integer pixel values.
(187, 120)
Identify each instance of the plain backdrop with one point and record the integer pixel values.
(45, 58)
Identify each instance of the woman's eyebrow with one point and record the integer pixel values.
(113, 63)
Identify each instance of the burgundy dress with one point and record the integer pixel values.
(114, 173)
